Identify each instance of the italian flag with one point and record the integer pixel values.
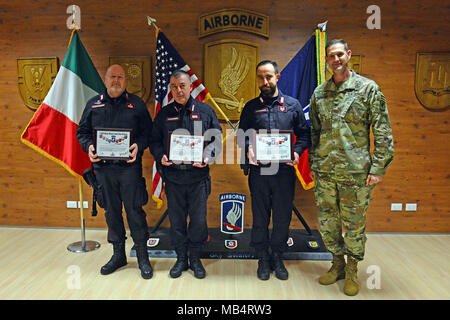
(53, 129)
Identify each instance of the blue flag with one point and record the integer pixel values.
(299, 78)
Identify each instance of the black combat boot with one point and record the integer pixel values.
(180, 265)
(119, 259)
(278, 266)
(143, 262)
(264, 269)
(196, 265)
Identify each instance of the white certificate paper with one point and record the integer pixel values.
(113, 144)
(185, 148)
(273, 147)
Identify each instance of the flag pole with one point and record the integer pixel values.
(83, 245)
(151, 22)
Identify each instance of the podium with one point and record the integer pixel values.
(304, 244)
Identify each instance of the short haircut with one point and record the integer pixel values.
(264, 62)
(336, 41)
(178, 72)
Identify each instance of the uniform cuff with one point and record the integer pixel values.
(377, 171)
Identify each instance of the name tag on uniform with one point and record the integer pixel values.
(170, 119)
(195, 116)
(262, 110)
(98, 106)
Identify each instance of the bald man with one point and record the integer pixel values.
(121, 180)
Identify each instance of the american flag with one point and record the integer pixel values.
(168, 60)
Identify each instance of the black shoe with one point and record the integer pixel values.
(278, 266)
(264, 269)
(117, 261)
(197, 267)
(179, 266)
(143, 262)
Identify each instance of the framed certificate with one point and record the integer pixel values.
(185, 148)
(275, 145)
(112, 144)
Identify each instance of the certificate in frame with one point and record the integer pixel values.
(185, 148)
(274, 146)
(112, 143)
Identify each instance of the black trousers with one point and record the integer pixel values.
(271, 194)
(185, 200)
(123, 184)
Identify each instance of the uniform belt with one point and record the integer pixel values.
(182, 166)
(114, 162)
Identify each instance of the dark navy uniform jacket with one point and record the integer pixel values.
(175, 116)
(282, 113)
(125, 112)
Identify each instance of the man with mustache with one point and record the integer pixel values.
(187, 186)
(272, 191)
(342, 111)
(121, 180)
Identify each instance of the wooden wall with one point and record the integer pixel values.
(34, 190)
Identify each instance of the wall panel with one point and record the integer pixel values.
(34, 190)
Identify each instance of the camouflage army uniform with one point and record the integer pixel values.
(340, 119)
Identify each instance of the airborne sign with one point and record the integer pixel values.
(234, 20)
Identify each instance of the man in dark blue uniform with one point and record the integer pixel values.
(272, 188)
(121, 180)
(187, 185)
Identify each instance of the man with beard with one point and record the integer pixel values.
(342, 111)
(272, 191)
(121, 180)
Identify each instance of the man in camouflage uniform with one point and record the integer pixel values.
(341, 112)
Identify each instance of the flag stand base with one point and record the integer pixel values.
(79, 247)
(83, 245)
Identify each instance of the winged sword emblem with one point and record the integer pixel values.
(231, 78)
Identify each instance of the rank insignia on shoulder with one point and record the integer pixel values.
(231, 244)
(313, 245)
(152, 242)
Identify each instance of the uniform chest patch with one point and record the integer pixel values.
(261, 110)
(98, 106)
(170, 119)
(195, 116)
(282, 108)
(130, 105)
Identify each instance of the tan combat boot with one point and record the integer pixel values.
(351, 286)
(336, 272)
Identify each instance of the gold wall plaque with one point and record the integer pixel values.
(354, 64)
(233, 19)
(432, 83)
(35, 78)
(230, 74)
(138, 74)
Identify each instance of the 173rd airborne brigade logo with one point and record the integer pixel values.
(232, 212)
(230, 74)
